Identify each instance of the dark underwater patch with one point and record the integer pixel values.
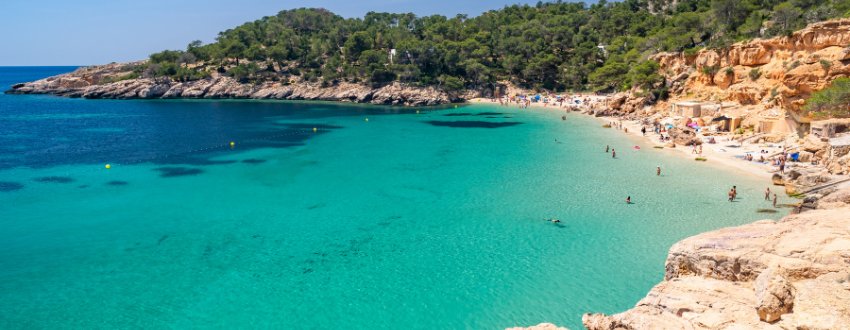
(117, 183)
(193, 159)
(253, 161)
(310, 126)
(55, 179)
(316, 206)
(457, 114)
(489, 113)
(471, 124)
(10, 186)
(170, 172)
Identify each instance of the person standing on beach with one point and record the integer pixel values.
(767, 194)
(643, 130)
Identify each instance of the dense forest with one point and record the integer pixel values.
(554, 46)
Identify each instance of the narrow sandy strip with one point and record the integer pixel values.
(723, 153)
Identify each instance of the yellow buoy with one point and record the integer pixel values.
(417, 111)
(315, 129)
(455, 106)
(107, 166)
(232, 144)
(367, 119)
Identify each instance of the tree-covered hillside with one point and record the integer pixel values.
(555, 46)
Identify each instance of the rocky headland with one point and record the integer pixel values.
(99, 82)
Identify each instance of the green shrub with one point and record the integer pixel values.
(690, 52)
(710, 70)
(825, 64)
(833, 101)
(112, 79)
(755, 74)
(793, 65)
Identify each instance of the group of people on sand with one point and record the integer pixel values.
(568, 102)
(749, 157)
(697, 149)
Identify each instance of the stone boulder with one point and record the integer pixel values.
(774, 295)
(541, 326)
(777, 180)
(684, 136)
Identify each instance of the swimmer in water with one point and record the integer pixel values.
(658, 170)
(629, 200)
(613, 153)
(607, 147)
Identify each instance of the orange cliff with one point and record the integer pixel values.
(777, 73)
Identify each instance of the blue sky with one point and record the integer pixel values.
(84, 32)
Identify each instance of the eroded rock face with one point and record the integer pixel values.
(790, 274)
(777, 72)
(94, 83)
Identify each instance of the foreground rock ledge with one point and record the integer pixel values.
(789, 274)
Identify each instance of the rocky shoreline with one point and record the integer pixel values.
(789, 274)
(793, 273)
(94, 83)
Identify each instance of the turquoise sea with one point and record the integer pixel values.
(415, 218)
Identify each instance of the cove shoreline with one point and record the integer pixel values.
(726, 161)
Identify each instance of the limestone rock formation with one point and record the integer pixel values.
(99, 82)
(789, 274)
(541, 326)
(779, 72)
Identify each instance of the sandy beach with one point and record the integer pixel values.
(725, 153)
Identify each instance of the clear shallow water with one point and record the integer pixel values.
(428, 220)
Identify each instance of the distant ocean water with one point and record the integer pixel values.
(422, 220)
